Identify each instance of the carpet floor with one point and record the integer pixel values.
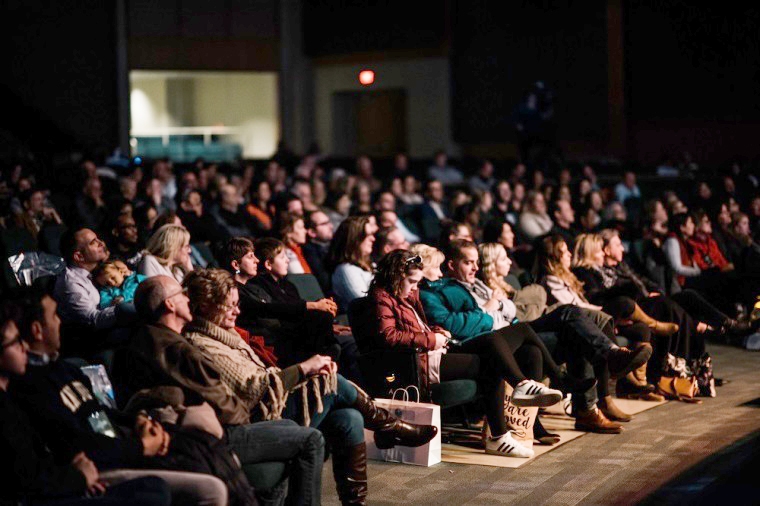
(655, 447)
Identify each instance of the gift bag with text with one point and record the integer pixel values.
(413, 412)
(520, 420)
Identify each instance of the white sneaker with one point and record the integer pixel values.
(533, 393)
(507, 446)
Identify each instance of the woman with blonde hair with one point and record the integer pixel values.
(587, 263)
(311, 392)
(167, 253)
(553, 266)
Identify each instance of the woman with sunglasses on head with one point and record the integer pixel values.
(401, 322)
(311, 391)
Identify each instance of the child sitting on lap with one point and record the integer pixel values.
(116, 282)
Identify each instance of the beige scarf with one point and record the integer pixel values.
(273, 402)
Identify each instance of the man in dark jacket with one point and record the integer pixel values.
(29, 472)
(70, 418)
(319, 230)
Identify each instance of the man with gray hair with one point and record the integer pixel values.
(159, 355)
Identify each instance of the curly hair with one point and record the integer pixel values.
(585, 247)
(393, 268)
(488, 254)
(208, 290)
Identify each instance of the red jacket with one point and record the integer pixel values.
(396, 321)
(706, 253)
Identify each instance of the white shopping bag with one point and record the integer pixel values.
(412, 412)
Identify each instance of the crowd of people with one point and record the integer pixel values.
(230, 388)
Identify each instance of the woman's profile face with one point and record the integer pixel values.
(565, 257)
(502, 263)
(365, 248)
(598, 257)
(687, 229)
(230, 310)
(432, 272)
(410, 283)
(298, 234)
(249, 264)
(507, 237)
(183, 255)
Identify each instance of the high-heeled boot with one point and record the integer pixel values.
(658, 328)
(350, 472)
(389, 430)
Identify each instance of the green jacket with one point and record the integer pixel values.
(448, 304)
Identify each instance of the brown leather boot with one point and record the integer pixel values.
(641, 376)
(621, 361)
(611, 411)
(350, 472)
(389, 430)
(624, 389)
(595, 421)
(658, 328)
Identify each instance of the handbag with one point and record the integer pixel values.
(681, 389)
(703, 371)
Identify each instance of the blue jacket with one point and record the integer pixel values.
(448, 304)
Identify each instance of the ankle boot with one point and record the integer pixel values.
(389, 430)
(612, 412)
(641, 376)
(350, 472)
(658, 328)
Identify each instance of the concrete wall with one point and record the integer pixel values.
(427, 85)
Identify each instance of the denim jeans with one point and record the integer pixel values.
(148, 491)
(582, 344)
(284, 440)
(340, 423)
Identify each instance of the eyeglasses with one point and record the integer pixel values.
(14, 342)
(230, 307)
(183, 291)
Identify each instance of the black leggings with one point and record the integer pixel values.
(699, 308)
(489, 358)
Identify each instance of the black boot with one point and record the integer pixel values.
(389, 430)
(350, 472)
(543, 436)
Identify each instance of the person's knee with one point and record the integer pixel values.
(347, 426)
(314, 442)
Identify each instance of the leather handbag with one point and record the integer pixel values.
(682, 389)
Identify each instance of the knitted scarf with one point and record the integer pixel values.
(273, 402)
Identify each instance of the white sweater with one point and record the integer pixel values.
(563, 294)
(350, 282)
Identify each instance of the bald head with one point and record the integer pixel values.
(151, 295)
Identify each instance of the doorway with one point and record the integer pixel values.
(369, 122)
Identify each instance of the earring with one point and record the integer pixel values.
(237, 271)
